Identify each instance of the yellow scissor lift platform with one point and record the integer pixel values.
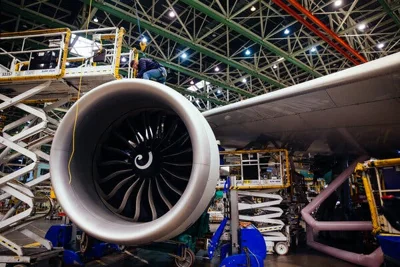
(257, 176)
(31, 73)
(71, 58)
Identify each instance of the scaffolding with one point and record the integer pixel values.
(72, 60)
(255, 169)
(39, 83)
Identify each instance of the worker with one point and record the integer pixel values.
(150, 69)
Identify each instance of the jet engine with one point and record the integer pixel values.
(144, 163)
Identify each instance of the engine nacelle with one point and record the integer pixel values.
(145, 164)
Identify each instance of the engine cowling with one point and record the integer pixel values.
(145, 164)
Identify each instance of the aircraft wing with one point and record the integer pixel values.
(356, 110)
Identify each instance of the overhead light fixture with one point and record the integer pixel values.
(184, 55)
(253, 8)
(362, 26)
(275, 66)
(313, 49)
(67, 64)
(96, 19)
(219, 91)
(171, 14)
(197, 101)
(216, 69)
(191, 82)
(381, 45)
(247, 52)
(42, 65)
(123, 59)
(338, 3)
(287, 31)
(144, 39)
(244, 80)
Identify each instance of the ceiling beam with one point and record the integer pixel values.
(124, 15)
(32, 15)
(200, 76)
(249, 34)
(28, 14)
(389, 11)
(200, 96)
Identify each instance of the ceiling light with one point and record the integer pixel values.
(247, 52)
(338, 3)
(253, 8)
(184, 55)
(244, 80)
(362, 26)
(219, 91)
(123, 59)
(197, 101)
(144, 40)
(381, 45)
(287, 31)
(313, 49)
(191, 82)
(275, 66)
(67, 64)
(96, 19)
(171, 14)
(216, 69)
(42, 65)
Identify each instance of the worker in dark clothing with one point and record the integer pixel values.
(150, 69)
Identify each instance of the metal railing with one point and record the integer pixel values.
(375, 190)
(24, 55)
(271, 167)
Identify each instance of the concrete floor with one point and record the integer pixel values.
(301, 257)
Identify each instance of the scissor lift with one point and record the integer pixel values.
(22, 140)
(267, 215)
(258, 175)
(40, 74)
(382, 189)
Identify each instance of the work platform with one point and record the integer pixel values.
(69, 59)
(58, 88)
(41, 73)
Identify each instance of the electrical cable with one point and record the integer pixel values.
(138, 23)
(77, 103)
(137, 18)
(258, 263)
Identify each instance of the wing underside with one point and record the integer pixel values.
(356, 110)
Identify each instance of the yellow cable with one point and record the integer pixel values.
(77, 103)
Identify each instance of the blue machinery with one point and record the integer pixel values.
(247, 245)
(62, 236)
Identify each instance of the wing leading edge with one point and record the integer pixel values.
(356, 110)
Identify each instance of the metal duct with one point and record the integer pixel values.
(145, 165)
